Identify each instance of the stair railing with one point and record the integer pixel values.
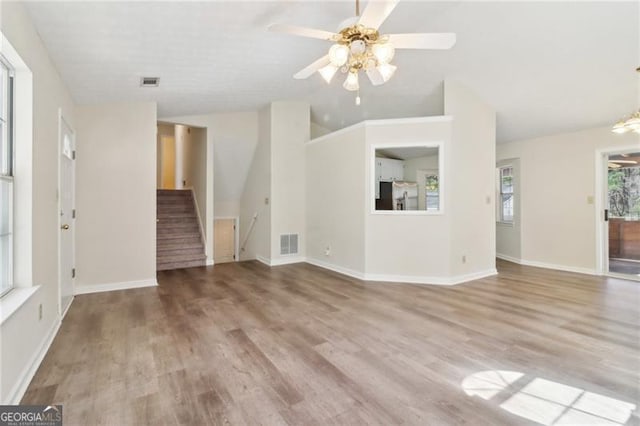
(246, 236)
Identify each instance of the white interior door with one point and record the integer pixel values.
(66, 204)
(224, 231)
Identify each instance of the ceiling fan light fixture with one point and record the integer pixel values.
(338, 55)
(620, 128)
(351, 82)
(386, 71)
(383, 52)
(327, 72)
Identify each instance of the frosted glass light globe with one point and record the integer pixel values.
(383, 52)
(338, 55)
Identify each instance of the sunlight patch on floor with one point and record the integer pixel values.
(547, 402)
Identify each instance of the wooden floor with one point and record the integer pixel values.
(241, 343)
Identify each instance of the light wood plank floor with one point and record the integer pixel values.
(240, 343)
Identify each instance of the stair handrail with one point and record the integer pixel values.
(246, 236)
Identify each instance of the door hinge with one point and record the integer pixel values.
(606, 215)
(73, 272)
(73, 213)
(73, 154)
(234, 257)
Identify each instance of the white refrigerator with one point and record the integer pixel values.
(404, 195)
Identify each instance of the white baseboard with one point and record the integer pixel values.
(264, 260)
(209, 262)
(336, 268)
(99, 288)
(403, 278)
(564, 268)
(18, 390)
(287, 260)
(281, 261)
(508, 258)
(457, 279)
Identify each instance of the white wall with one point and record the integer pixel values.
(557, 177)
(256, 196)
(195, 167)
(317, 130)
(231, 142)
(116, 194)
(335, 202)
(508, 234)
(289, 134)
(23, 335)
(408, 247)
(166, 156)
(233, 138)
(472, 160)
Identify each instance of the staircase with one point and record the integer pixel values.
(179, 242)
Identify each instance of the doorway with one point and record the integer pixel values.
(66, 223)
(225, 237)
(622, 214)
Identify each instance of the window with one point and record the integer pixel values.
(6, 178)
(506, 194)
(432, 192)
(407, 179)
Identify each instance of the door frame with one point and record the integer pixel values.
(236, 237)
(601, 202)
(61, 121)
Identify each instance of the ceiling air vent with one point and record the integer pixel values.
(149, 81)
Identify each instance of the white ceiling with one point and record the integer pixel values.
(546, 67)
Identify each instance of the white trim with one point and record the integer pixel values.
(99, 288)
(263, 259)
(18, 390)
(62, 121)
(457, 279)
(236, 243)
(287, 260)
(602, 240)
(209, 262)
(536, 264)
(441, 177)
(14, 299)
(384, 122)
(336, 268)
(407, 279)
(508, 258)
(202, 233)
(64, 314)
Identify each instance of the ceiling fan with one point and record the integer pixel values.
(358, 46)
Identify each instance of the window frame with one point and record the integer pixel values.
(501, 195)
(8, 175)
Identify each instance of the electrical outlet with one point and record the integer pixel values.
(590, 199)
(327, 251)
(40, 312)
(464, 259)
(266, 200)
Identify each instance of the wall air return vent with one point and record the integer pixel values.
(149, 81)
(289, 244)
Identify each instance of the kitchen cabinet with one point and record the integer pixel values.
(388, 170)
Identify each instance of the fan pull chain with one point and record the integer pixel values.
(357, 7)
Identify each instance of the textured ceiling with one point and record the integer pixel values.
(546, 67)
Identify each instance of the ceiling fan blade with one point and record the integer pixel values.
(309, 70)
(423, 41)
(303, 31)
(375, 77)
(376, 13)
